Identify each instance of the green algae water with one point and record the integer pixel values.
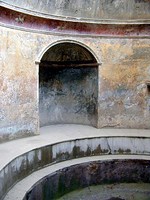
(125, 191)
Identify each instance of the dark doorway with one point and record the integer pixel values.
(68, 86)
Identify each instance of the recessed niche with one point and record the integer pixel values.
(68, 86)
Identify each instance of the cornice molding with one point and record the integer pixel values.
(71, 34)
(18, 21)
(72, 19)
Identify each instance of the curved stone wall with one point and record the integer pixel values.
(31, 161)
(27, 22)
(123, 77)
(83, 10)
(85, 175)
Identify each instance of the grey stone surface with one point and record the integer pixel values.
(95, 10)
(84, 175)
(19, 190)
(123, 191)
(65, 142)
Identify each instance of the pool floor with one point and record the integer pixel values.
(124, 191)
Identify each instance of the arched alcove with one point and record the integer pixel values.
(68, 85)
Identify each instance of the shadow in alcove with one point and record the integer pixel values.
(68, 86)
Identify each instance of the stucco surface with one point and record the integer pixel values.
(29, 22)
(123, 97)
(70, 94)
(18, 86)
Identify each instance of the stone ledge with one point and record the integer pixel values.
(65, 142)
(26, 184)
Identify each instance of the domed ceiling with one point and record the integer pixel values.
(95, 11)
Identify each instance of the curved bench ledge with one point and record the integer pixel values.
(64, 142)
(59, 133)
(26, 184)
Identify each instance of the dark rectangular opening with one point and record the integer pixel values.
(148, 88)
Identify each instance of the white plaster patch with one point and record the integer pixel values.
(30, 156)
(19, 162)
(39, 155)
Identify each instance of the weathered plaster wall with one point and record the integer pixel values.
(23, 21)
(68, 95)
(18, 86)
(123, 96)
(95, 10)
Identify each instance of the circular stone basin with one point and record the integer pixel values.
(104, 180)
